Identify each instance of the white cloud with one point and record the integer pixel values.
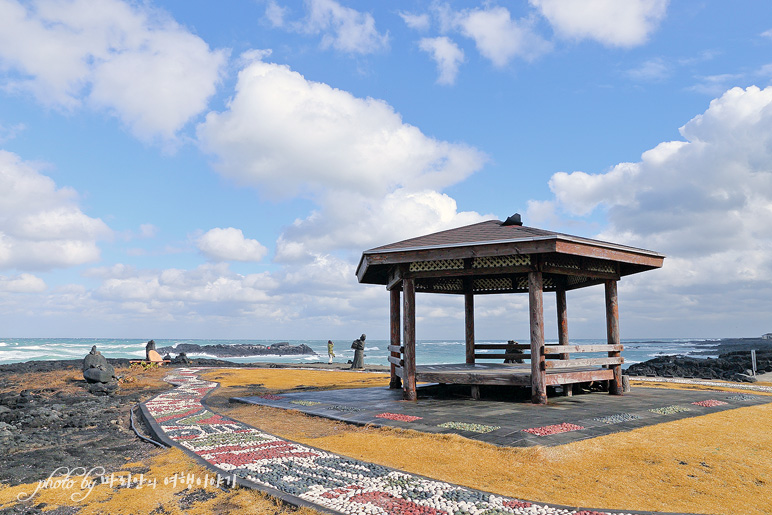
(177, 288)
(356, 223)
(324, 275)
(416, 21)
(41, 226)
(8, 133)
(716, 84)
(343, 28)
(542, 213)
(289, 135)
(229, 244)
(132, 61)
(324, 289)
(446, 54)
(22, 283)
(275, 13)
(581, 192)
(497, 36)
(147, 231)
(706, 202)
(619, 23)
(374, 178)
(652, 70)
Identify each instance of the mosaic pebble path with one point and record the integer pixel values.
(669, 410)
(324, 480)
(466, 426)
(553, 429)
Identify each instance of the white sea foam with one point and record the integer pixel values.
(428, 352)
(7, 356)
(201, 355)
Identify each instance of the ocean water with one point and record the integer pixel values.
(15, 350)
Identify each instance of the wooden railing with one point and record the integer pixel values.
(551, 351)
(557, 356)
(398, 362)
(502, 346)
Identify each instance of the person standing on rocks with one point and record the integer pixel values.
(330, 350)
(359, 352)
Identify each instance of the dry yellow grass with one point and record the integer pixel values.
(134, 379)
(274, 379)
(66, 381)
(719, 463)
(173, 498)
(71, 381)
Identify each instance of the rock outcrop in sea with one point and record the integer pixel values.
(730, 366)
(240, 350)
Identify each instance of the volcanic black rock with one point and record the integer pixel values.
(730, 366)
(96, 369)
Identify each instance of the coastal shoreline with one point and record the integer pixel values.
(82, 429)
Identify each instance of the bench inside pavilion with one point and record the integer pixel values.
(495, 257)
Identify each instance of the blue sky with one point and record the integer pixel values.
(185, 170)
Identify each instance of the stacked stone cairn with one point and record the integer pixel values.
(98, 373)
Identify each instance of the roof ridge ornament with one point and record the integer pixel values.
(513, 220)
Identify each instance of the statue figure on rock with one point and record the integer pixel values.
(150, 346)
(359, 352)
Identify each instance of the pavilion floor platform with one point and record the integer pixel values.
(503, 374)
(505, 418)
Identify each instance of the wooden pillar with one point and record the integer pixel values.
(612, 334)
(394, 312)
(568, 389)
(469, 321)
(562, 318)
(536, 308)
(408, 332)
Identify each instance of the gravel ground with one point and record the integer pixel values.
(44, 428)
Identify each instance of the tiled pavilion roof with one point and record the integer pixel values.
(494, 238)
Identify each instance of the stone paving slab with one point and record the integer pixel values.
(304, 475)
(510, 423)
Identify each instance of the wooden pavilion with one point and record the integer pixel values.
(504, 257)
